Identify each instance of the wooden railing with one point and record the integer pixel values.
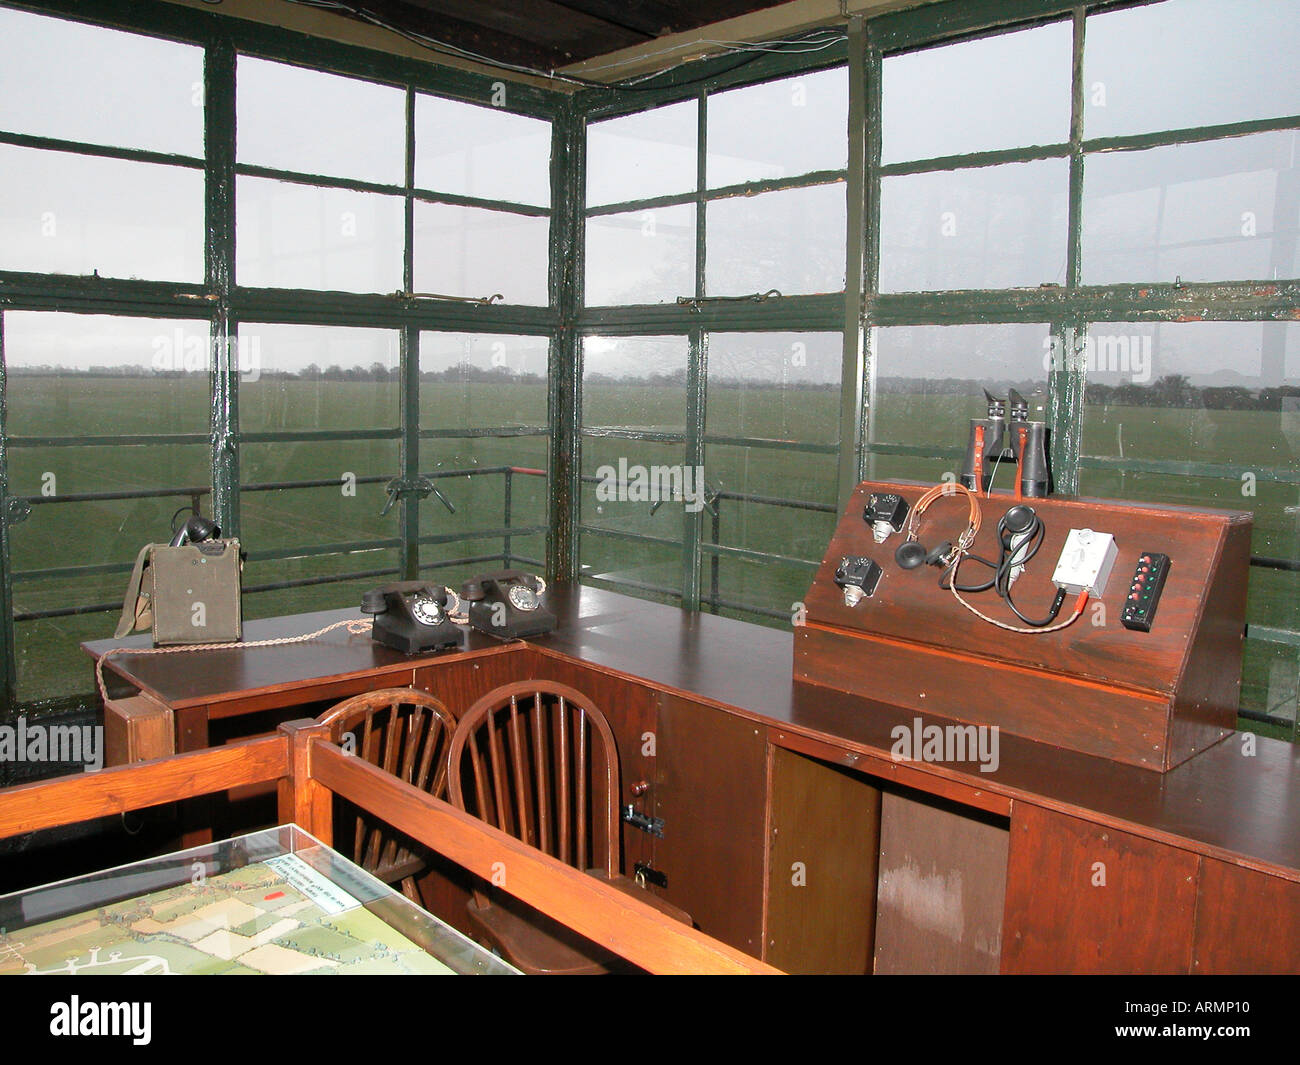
(310, 771)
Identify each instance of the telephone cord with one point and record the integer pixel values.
(356, 626)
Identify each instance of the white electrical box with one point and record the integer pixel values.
(1086, 561)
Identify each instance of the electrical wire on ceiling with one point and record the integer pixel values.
(814, 42)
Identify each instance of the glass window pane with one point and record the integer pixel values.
(1220, 393)
(629, 486)
(653, 153)
(303, 377)
(1270, 681)
(989, 227)
(651, 571)
(469, 251)
(1008, 91)
(753, 585)
(641, 257)
(1213, 211)
(930, 382)
(96, 375)
(482, 380)
(788, 531)
(303, 236)
(317, 123)
(316, 593)
(1213, 391)
(635, 382)
(86, 83)
(498, 484)
(775, 386)
(779, 129)
(344, 510)
(1188, 63)
(48, 474)
(65, 532)
(791, 240)
(481, 151)
(73, 214)
(47, 651)
(796, 477)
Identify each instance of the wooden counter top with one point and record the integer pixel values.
(1223, 803)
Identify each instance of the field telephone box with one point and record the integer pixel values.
(1141, 663)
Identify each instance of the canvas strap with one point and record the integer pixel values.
(136, 609)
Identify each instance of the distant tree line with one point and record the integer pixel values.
(1174, 390)
(1171, 390)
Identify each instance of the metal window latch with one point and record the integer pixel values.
(695, 303)
(646, 823)
(420, 487)
(710, 500)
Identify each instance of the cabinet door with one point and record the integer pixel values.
(1084, 898)
(1246, 921)
(824, 840)
(710, 786)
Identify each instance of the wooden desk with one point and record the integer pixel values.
(209, 686)
(1107, 867)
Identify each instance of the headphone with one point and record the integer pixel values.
(912, 553)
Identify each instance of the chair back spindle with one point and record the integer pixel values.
(538, 761)
(405, 732)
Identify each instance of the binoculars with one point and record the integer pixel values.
(1009, 436)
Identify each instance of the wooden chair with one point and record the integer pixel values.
(538, 761)
(404, 732)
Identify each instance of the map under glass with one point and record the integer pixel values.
(277, 916)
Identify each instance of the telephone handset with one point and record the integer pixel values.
(508, 604)
(411, 616)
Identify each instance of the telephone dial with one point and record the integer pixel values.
(508, 604)
(412, 616)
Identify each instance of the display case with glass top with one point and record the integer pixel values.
(276, 901)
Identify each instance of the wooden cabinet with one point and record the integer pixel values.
(460, 682)
(1085, 898)
(823, 840)
(1246, 921)
(940, 898)
(710, 787)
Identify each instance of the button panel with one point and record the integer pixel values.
(1144, 591)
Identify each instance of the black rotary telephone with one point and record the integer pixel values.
(411, 616)
(508, 604)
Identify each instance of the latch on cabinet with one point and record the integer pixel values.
(646, 823)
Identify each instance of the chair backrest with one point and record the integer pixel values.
(405, 732)
(538, 761)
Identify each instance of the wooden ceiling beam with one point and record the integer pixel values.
(757, 25)
(426, 17)
(566, 31)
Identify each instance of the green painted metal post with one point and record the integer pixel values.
(564, 402)
(410, 368)
(8, 659)
(858, 264)
(219, 208)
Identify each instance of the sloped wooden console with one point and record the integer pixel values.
(1150, 699)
